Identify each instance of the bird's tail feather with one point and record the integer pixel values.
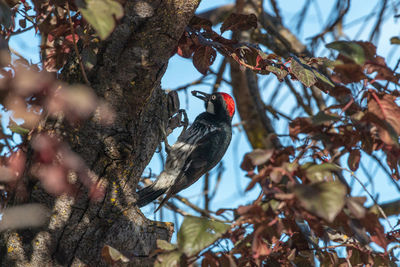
(148, 194)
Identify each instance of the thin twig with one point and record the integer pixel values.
(71, 25)
(174, 208)
(275, 7)
(337, 21)
(375, 32)
(369, 194)
(194, 207)
(298, 97)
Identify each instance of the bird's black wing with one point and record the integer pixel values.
(199, 160)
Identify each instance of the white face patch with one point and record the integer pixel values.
(210, 107)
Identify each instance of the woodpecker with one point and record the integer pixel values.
(196, 151)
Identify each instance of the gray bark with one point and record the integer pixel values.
(130, 64)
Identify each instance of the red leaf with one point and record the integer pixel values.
(239, 22)
(203, 57)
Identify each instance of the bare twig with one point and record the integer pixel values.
(71, 25)
(382, 212)
(275, 7)
(194, 207)
(375, 32)
(336, 22)
(298, 97)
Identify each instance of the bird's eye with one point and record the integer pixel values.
(213, 97)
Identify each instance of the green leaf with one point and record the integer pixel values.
(351, 50)
(101, 14)
(170, 259)
(162, 244)
(279, 73)
(198, 233)
(395, 40)
(322, 117)
(319, 172)
(303, 73)
(15, 128)
(323, 78)
(325, 199)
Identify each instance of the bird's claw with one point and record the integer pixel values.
(165, 139)
(179, 120)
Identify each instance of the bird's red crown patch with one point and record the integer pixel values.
(230, 104)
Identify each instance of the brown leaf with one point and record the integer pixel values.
(199, 23)
(186, 46)
(393, 163)
(239, 22)
(340, 92)
(259, 246)
(386, 132)
(255, 158)
(227, 260)
(354, 159)
(375, 229)
(386, 109)
(348, 73)
(203, 57)
(300, 125)
(379, 66)
(248, 210)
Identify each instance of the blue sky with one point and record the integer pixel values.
(181, 71)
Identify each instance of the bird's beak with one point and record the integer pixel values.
(203, 96)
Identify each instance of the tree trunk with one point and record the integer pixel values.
(130, 64)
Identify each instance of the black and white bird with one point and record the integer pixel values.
(197, 150)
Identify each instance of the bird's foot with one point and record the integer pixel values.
(164, 138)
(183, 120)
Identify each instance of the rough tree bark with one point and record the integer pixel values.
(130, 64)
